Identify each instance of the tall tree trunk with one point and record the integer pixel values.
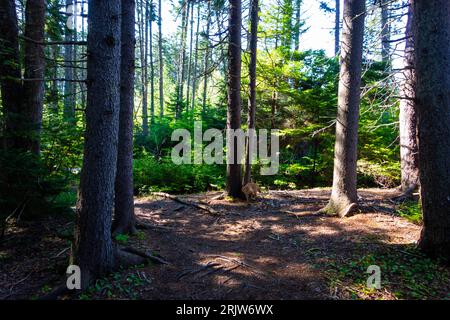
(385, 31)
(83, 72)
(298, 6)
(161, 63)
(182, 58)
(54, 88)
(69, 99)
(143, 58)
(124, 219)
(432, 49)
(344, 193)
(10, 74)
(337, 27)
(93, 248)
(145, 23)
(409, 156)
(152, 67)
(206, 61)
(189, 71)
(33, 91)
(234, 180)
(251, 87)
(195, 75)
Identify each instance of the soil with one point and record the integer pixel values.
(273, 248)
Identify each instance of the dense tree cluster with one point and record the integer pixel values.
(92, 90)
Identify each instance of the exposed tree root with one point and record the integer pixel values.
(146, 226)
(195, 205)
(190, 271)
(124, 256)
(144, 255)
(406, 195)
(332, 209)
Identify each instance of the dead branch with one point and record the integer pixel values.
(204, 267)
(176, 199)
(144, 255)
(146, 226)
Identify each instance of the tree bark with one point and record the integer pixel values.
(195, 75)
(189, 71)
(34, 62)
(182, 59)
(152, 67)
(10, 74)
(432, 49)
(252, 86)
(337, 27)
(298, 6)
(93, 249)
(161, 63)
(409, 157)
(143, 57)
(206, 61)
(234, 180)
(344, 193)
(69, 87)
(124, 218)
(385, 31)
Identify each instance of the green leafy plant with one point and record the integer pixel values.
(122, 238)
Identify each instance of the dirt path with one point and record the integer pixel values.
(274, 248)
(270, 249)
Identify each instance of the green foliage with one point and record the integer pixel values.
(405, 273)
(122, 238)
(27, 185)
(411, 210)
(125, 283)
(152, 175)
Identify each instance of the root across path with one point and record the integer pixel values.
(276, 247)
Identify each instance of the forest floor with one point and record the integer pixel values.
(273, 248)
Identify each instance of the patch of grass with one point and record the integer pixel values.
(122, 238)
(123, 284)
(405, 274)
(46, 289)
(412, 211)
(140, 235)
(66, 199)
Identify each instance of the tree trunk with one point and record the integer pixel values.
(69, 99)
(206, 62)
(385, 31)
(124, 219)
(195, 75)
(93, 248)
(10, 74)
(161, 63)
(432, 49)
(33, 91)
(189, 71)
(298, 5)
(252, 86)
(409, 157)
(143, 57)
(234, 180)
(182, 58)
(152, 67)
(344, 193)
(337, 27)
